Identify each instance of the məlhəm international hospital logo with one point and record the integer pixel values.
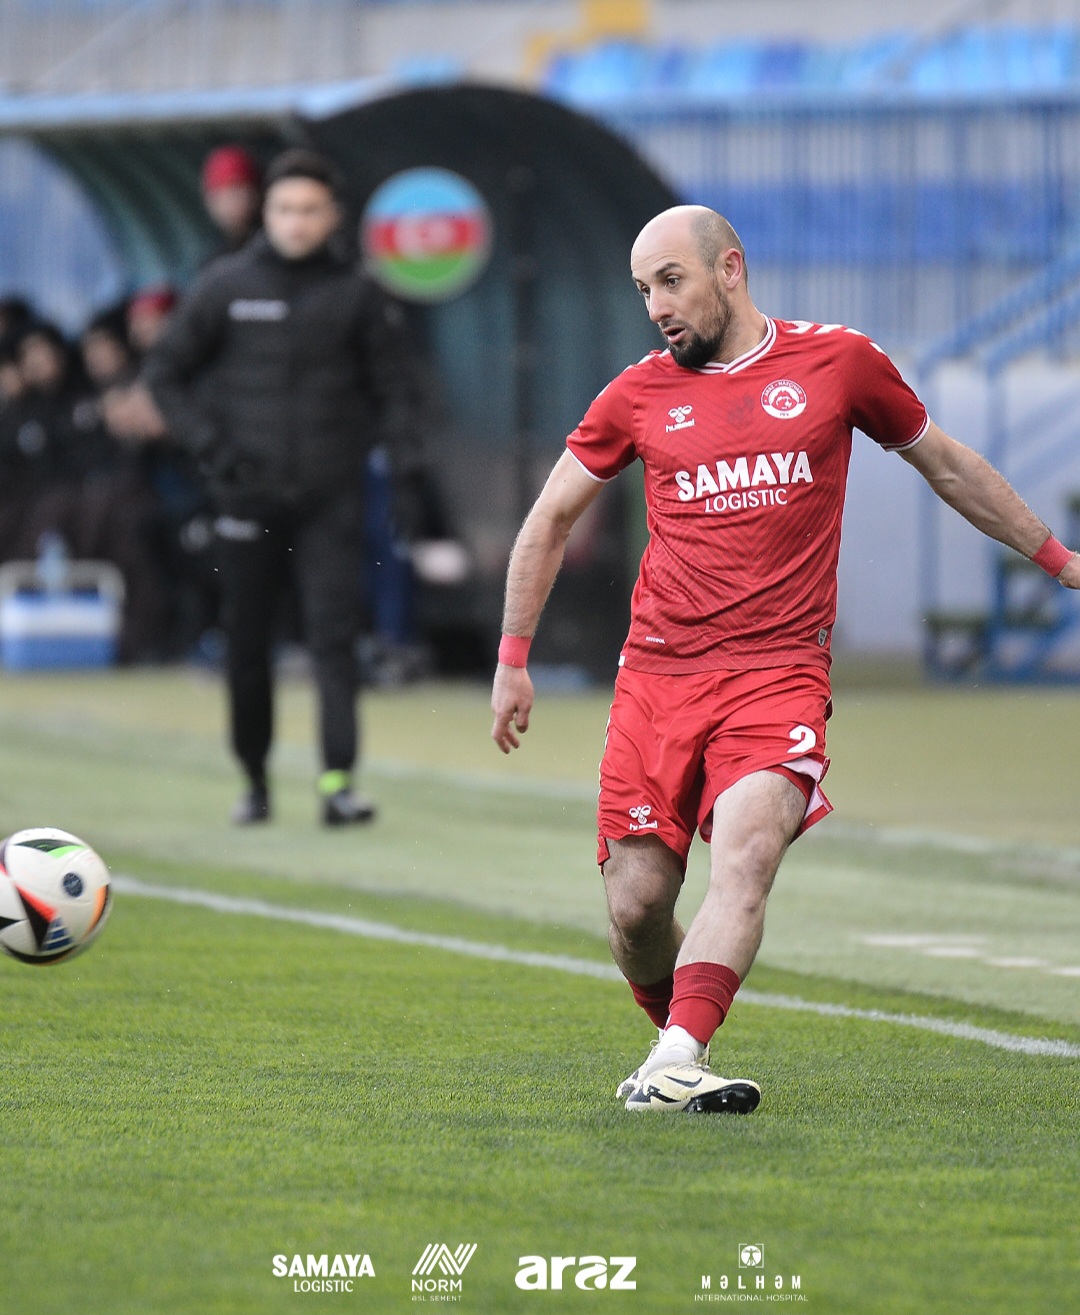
(750, 1282)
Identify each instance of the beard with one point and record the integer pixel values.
(700, 346)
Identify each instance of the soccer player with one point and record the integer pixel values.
(743, 425)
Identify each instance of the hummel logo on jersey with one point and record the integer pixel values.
(639, 818)
(679, 414)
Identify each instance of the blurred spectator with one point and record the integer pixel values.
(54, 427)
(106, 355)
(15, 314)
(147, 315)
(175, 526)
(232, 194)
(65, 471)
(11, 380)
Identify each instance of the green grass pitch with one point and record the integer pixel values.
(204, 1090)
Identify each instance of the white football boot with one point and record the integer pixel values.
(649, 1065)
(695, 1089)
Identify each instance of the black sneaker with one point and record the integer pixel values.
(251, 807)
(345, 807)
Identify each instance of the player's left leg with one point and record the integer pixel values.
(327, 565)
(754, 821)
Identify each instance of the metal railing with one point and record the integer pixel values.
(902, 219)
(63, 47)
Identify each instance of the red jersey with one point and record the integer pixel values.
(745, 474)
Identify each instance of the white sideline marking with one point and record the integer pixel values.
(384, 931)
(889, 837)
(947, 945)
(920, 941)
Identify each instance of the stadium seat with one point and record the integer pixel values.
(610, 70)
(980, 59)
(782, 65)
(726, 69)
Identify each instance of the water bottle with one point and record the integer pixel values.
(52, 562)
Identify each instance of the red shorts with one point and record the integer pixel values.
(675, 743)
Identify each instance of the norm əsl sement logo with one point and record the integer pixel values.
(451, 1264)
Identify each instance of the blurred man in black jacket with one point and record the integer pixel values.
(275, 371)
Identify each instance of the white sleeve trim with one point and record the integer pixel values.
(904, 447)
(598, 478)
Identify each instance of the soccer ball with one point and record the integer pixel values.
(54, 895)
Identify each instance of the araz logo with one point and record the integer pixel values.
(784, 399)
(437, 1255)
(590, 1273)
(679, 414)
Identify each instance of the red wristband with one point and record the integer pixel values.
(514, 650)
(1052, 557)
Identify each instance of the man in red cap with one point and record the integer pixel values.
(232, 194)
(147, 314)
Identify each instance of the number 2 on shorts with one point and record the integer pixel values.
(804, 738)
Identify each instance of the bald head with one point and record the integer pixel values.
(713, 236)
(689, 230)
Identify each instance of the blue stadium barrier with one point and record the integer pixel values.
(1028, 630)
(905, 218)
(974, 60)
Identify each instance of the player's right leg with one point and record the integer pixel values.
(642, 880)
(649, 796)
(643, 877)
(251, 561)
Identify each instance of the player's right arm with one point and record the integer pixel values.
(190, 342)
(534, 564)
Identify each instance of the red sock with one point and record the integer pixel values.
(655, 999)
(702, 996)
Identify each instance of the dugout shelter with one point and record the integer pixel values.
(517, 357)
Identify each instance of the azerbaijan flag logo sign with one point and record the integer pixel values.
(426, 234)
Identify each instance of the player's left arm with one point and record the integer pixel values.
(982, 495)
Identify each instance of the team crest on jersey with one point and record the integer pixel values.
(682, 418)
(784, 399)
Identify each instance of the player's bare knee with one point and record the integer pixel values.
(638, 919)
(642, 881)
(751, 863)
